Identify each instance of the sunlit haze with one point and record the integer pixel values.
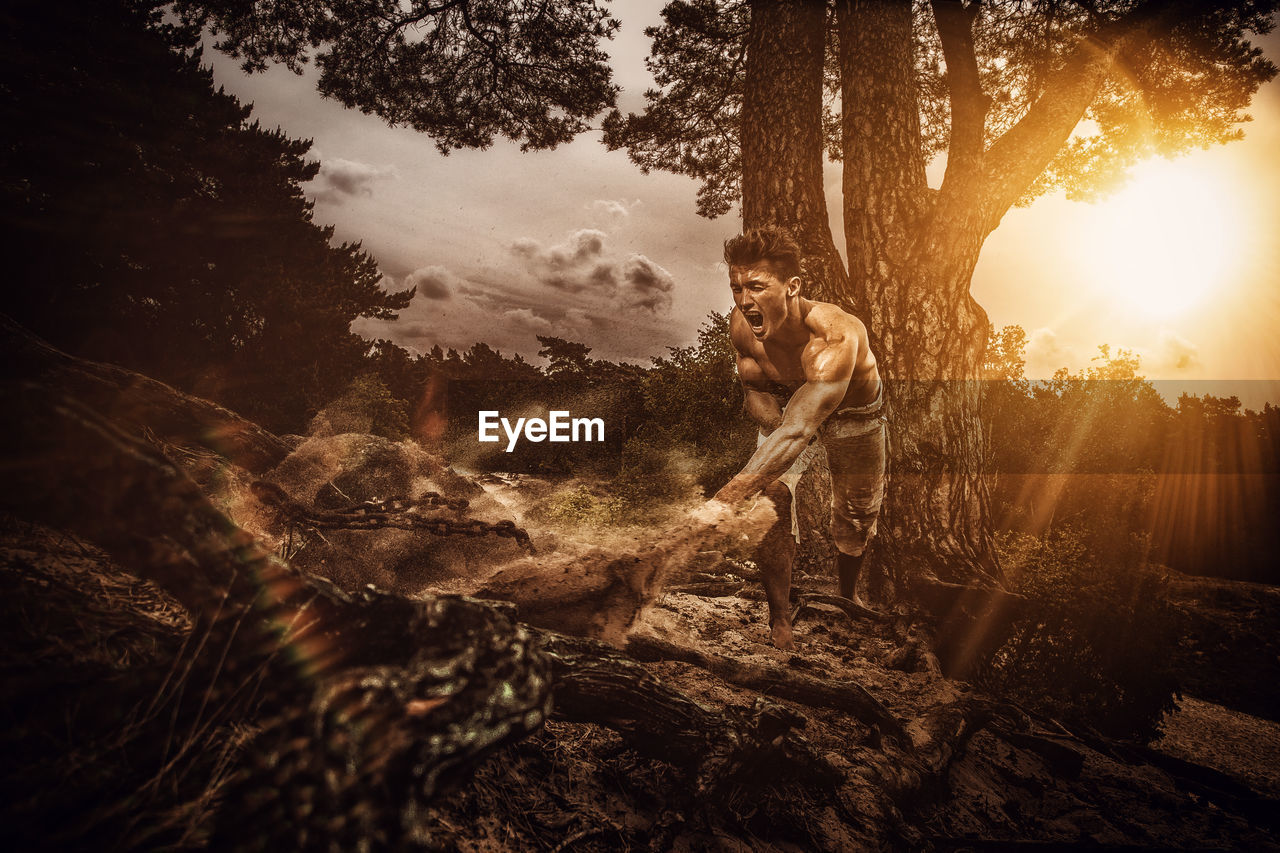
(1166, 242)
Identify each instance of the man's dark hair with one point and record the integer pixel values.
(770, 243)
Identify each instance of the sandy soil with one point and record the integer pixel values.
(1244, 747)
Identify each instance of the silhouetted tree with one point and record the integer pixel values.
(566, 359)
(148, 222)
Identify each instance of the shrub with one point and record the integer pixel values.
(1095, 645)
(580, 506)
(367, 406)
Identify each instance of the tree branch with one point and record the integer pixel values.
(1016, 159)
(969, 104)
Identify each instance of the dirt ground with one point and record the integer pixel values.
(1239, 744)
(957, 777)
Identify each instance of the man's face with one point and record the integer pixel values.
(761, 296)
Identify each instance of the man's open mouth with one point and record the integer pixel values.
(755, 318)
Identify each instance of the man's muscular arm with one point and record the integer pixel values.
(828, 366)
(761, 406)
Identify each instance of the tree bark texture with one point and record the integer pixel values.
(912, 250)
(782, 145)
(884, 186)
(910, 266)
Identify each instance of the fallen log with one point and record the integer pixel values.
(847, 696)
(138, 404)
(593, 682)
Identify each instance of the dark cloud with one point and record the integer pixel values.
(572, 266)
(338, 178)
(583, 246)
(580, 288)
(649, 285)
(583, 264)
(604, 275)
(434, 282)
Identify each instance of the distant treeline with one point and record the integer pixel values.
(1194, 486)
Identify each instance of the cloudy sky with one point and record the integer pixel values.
(1181, 267)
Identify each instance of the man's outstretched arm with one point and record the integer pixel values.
(830, 368)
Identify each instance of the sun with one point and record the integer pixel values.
(1164, 243)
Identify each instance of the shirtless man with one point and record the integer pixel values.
(806, 371)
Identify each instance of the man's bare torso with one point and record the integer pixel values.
(778, 366)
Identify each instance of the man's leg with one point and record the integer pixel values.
(857, 456)
(849, 568)
(775, 555)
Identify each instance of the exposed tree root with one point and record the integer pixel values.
(847, 696)
(138, 403)
(972, 621)
(596, 683)
(853, 609)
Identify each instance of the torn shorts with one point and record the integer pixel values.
(857, 443)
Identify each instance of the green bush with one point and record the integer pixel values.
(1095, 645)
(367, 406)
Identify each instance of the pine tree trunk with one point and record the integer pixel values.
(782, 135)
(910, 265)
(886, 195)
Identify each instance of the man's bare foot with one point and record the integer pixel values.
(780, 632)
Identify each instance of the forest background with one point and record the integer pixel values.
(150, 222)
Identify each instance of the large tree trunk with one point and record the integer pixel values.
(912, 253)
(782, 135)
(908, 277)
(909, 268)
(910, 282)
